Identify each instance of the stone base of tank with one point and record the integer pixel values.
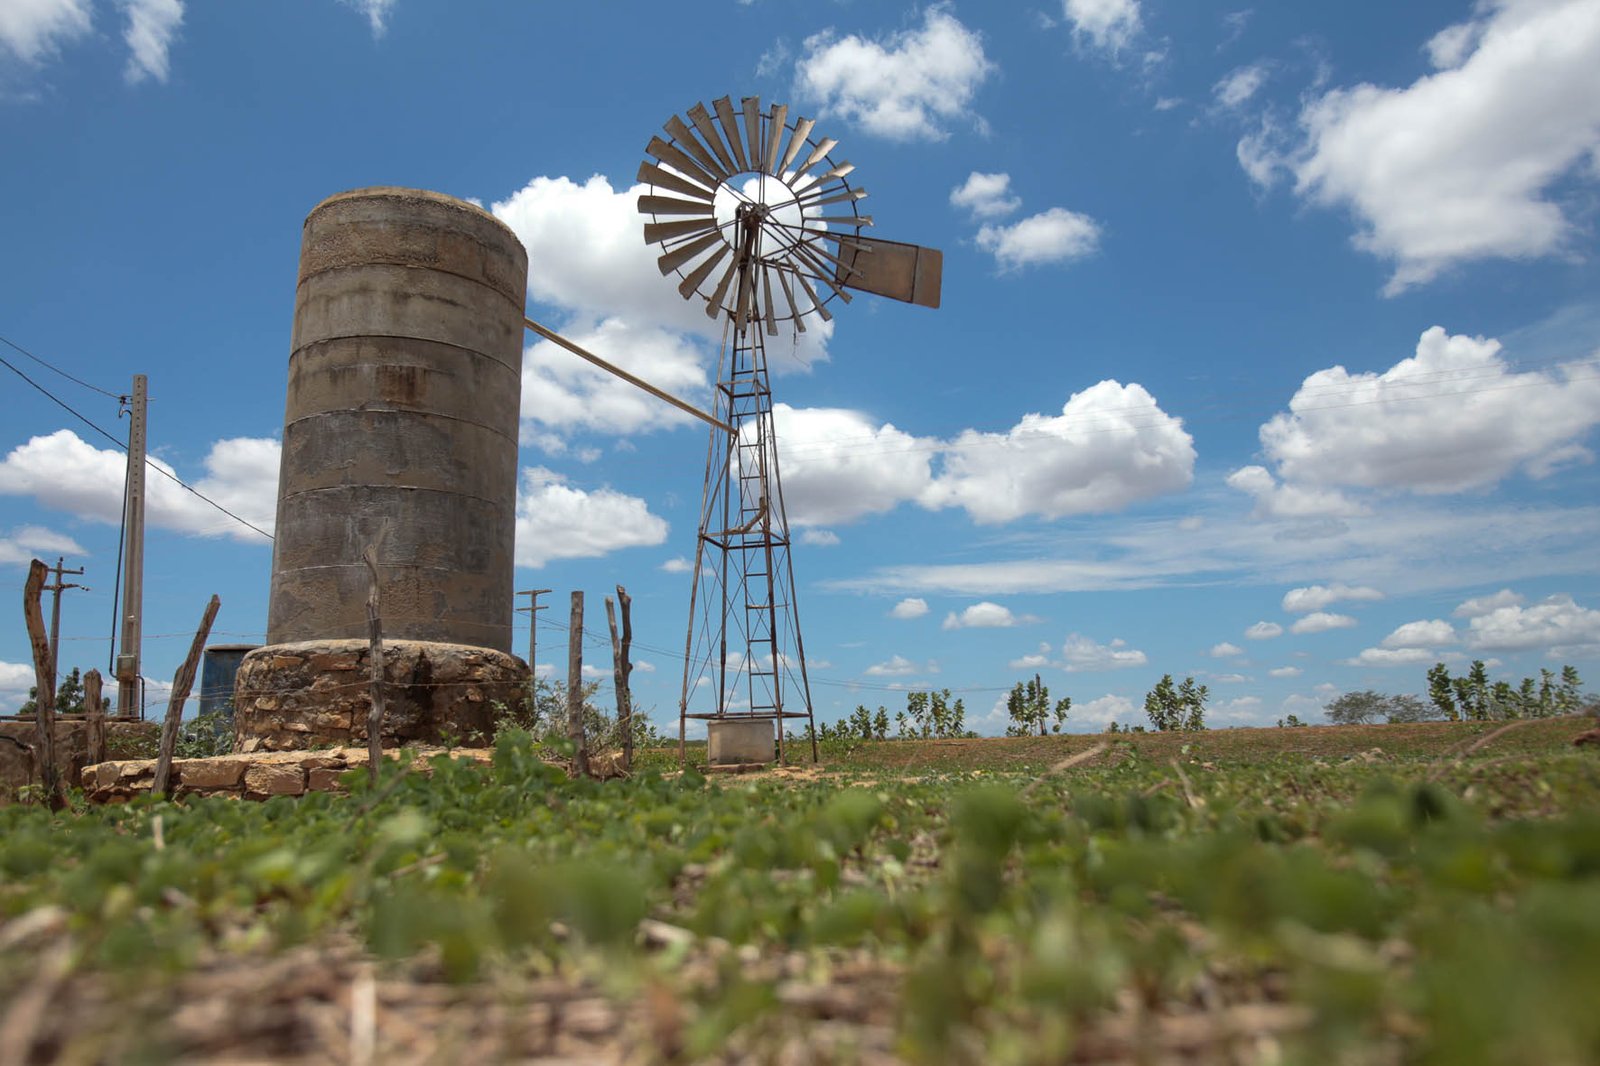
(316, 693)
(735, 741)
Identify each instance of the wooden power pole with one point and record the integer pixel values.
(56, 588)
(533, 609)
(133, 557)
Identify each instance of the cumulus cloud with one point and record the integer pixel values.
(1051, 236)
(1454, 416)
(678, 565)
(1473, 160)
(562, 392)
(1110, 446)
(1484, 604)
(1239, 709)
(984, 615)
(26, 543)
(1421, 634)
(1321, 622)
(1231, 679)
(838, 466)
(819, 538)
(1285, 671)
(1391, 657)
(1110, 25)
(33, 30)
(1264, 631)
(1316, 597)
(15, 681)
(985, 195)
(1556, 625)
(1239, 85)
(1104, 710)
(376, 11)
(1275, 500)
(152, 24)
(1081, 655)
(905, 86)
(895, 666)
(63, 472)
(1037, 661)
(1225, 650)
(558, 521)
(910, 607)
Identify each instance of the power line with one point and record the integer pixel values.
(123, 446)
(51, 366)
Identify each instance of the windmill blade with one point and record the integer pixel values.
(766, 301)
(780, 114)
(665, 179)
(813, 235)
(824, 146)
(686, 140)
(692, 281)
(838, 170)
(702, 122)
(730, 126)
(679, 256)
(667, 205)
(675, 158)
(656, 232)
(752, 128)
(841, 220)
(818, 260)
(802, 130)
(905, 272)
(816, 304)
(788, 294)
(838, 198)
(714, 301)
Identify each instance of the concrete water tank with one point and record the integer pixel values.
(400, 431)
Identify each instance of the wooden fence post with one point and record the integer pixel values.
(182, 682)
(44, 673)
(621, 669)
(375, 664)
(96, 725)
(580, 745)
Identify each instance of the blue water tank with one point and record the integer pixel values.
(217, 668)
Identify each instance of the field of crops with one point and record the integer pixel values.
(1423, 893)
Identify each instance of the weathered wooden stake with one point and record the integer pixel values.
(96, 726)
(621, 669)
(182, 682)
(580, 745)
(44, 673)
(375, 663)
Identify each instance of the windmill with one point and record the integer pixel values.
(757, 219)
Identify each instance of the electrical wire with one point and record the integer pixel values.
(50, 366)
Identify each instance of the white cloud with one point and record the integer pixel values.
(837, 466)
(1109, 24)
(1556, 624)
(1274, 500)
(557, 521)
(152, 24)
(1225, 650)
(1452, 417)
(27, 543)
(1321, 622)
(1104, 710)
(678, 565)
(904, 87)
(1037, 661)
(1231, 679)
(1285, 671)
(1391, 657)
(1082, 654)
(984, 615)
(896, 666)
(1485, 604)
(63, 472)
(1051, 236)
(377, 12)
(34, 29)
(1468, 162)
(1316, 597)
(1426, 633)
(1239, 85)
(1110, 446)
(1264, 631)
(985, 195)
(819, 538)
(1240, 709)
(562, 392)
(911, 607)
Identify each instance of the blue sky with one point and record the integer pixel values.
(1269, 353)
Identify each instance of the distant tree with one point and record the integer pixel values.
(1291, 722)
(1474, 698)
(1442, 692)
(1172, 707)
(903, 726)
(69, 696)
(917, 711)
(861, 722)
(1357, 708)
(880, 723)
(1406, 709)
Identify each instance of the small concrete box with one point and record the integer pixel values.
(730, 741)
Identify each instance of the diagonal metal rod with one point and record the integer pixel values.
(612, 368)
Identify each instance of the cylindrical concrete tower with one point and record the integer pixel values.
(401, 425)
(400, 434)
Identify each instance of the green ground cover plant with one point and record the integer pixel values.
(1334, 894)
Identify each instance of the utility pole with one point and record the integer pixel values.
(533, 610)
(55, 589)
(133, 557)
